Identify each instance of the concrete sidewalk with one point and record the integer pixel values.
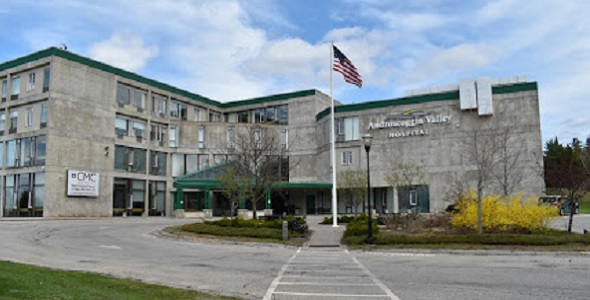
(323, 235)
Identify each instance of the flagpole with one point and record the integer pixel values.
(334, 196)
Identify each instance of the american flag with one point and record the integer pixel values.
(344, 66)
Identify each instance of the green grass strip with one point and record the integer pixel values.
(250, 232)
(19, 281)
(547, 239)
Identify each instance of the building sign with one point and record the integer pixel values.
(83, 183)
(407, 120)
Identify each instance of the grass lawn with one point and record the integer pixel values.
(585, 207)
(19, 281)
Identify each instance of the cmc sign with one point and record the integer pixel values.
(82, 183)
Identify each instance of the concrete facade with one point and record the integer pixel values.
(79, 114)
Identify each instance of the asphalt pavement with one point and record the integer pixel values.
(132, 248)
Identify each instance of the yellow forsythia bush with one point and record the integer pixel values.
(512, 213)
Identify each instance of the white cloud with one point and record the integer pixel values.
(460, 58)
(123, 50)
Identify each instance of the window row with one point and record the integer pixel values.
(15, 84)
(25, 152)
(29, 116)
(271, 115)
(134, 160)
(161, 105)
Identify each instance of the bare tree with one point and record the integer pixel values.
(406, 174)
(353, 184)
(482, 148)
(507, 172)
(234, 180)
(259, 150)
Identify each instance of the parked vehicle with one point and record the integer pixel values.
(561, 203)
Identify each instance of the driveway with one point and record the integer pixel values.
(127, 248)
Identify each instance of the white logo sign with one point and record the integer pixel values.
(83, 183)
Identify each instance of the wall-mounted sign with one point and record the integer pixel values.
(410, 119)
(83, 183)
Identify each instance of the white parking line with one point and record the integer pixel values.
(292, 280)
(275, 282)
(378, 282)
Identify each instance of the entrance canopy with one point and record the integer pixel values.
(209, 179)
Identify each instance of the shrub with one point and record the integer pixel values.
(360, 226)
(341, 220)
(503, 214)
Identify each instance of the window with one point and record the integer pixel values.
(120, 126)
(214, 116)
(259, 115)
(139, 129)
(203, 161)
(177, 165)
(2, 123)
(1, 155)
(29, 116)
(231, 135)
(43, 115)
(347, 129)
(283, 114)
(159, 105)
(202, 136)
(128, 95)
(270, 114)
(26, 152)
(178, 110)
(11, 156)
(15, 88)
(31, 82)
(46, 75)
(197, 114)
(158, 134)
(192, 163)
(173, 142)
(347, 158)
(130, 159)
(40, 150)
(13, 121)
(244, 117)
(285, 139)
(4, 89)
(120, 158)
(158, 163)
(139, 157)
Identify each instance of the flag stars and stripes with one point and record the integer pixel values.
(344, 66)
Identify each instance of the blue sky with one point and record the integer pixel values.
(232, 50)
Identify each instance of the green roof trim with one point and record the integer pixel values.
(515, 88)
(53, 51)
(393, 102)
(453, 95)
(106, 68)
(278, 97)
